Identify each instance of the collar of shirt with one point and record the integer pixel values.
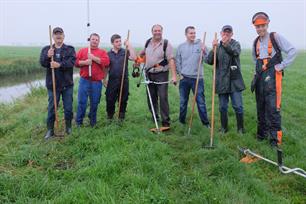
(155, 45)
(261, 39)
(114, 52)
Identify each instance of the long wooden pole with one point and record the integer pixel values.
(213, 97)
(123, 73)
(196, 87)
(53, 82)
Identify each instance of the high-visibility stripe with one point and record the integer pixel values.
(278, 83)
(279, 137)
(270, 48)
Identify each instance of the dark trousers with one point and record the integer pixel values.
(91, 90)
(159, 95)
(268, 114)
(236, 98)
(67, 98)
(112, 95)
(187, 84)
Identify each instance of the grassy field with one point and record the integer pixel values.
(19, 60)
(125, 163)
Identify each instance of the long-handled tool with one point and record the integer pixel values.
(144, 72)
(53, 82)
(146, 81)
(196, 88)
(89, 66)
(250, 155)
(123, 75)
(88, 33)
(213, 99)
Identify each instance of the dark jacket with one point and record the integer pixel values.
(64, 74)
(228, 70)
(116, 64)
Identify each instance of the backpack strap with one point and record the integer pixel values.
(276, 47)
(256, 47)
(271, 44)
(165, 48)
(147, 43)
(274, 43)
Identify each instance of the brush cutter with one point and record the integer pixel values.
(250, 157)
(144, 72)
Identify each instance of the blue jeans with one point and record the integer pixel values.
(91, 90)
(236, 98)
(67, 98)
(187, 84)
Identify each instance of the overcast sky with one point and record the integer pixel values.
(25, 22)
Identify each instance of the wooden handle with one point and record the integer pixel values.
(197, 83)
(89, 66)
(213, 96)
(123, 73)
(53, 82)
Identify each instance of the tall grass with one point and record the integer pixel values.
(19, 61)
(125, 163)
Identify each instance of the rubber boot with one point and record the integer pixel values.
(50, 132)
(224, 122)
(68, 127)
(121, 116)
(240, 126)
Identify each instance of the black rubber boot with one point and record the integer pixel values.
(68, 127)
(224, 122)
(240, 126)
(273, 139)
(261, 134)
(50, 132)
(110, 116)
(121, 116)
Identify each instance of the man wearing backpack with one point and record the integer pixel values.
(267, 82)
(159, 59)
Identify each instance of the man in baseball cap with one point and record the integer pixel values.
(63, 62)
(229, 81)
(227, 28)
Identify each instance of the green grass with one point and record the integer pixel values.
(19, 60)
(125, 163)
